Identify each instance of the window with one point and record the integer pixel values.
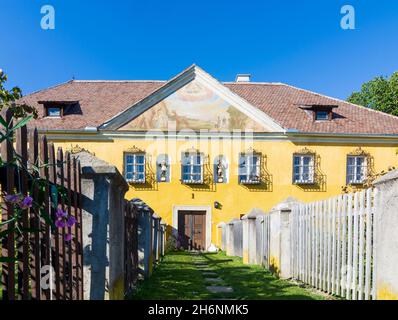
(53, 112)
(220, 170)
(134, 167)
(249, 168)
(163, 168)
(192, 168)
(356, 169)
(321, 115)
(303, 169)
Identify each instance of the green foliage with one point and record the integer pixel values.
(40, 187)
(8, 99)
(380, 94)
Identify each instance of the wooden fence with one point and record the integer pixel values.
(48, 267)
(131, 246)
(332, 244)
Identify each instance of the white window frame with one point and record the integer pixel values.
(134, 165)
(363, 168)
(247, 168)
(301, 166)
(192, 164)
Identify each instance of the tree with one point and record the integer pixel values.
(8, 99)
(381, 94)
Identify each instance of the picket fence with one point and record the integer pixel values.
(332, 244)
(45, 248)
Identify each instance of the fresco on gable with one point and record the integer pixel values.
(194, 107)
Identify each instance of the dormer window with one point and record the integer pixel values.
(319, 112)
(53, 112)
(57, 109)
(321, 115)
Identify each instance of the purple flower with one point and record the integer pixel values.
(61, 214)
(68, 237)
(71, 221)
(60, 223)
(26, 202)
(12, 198)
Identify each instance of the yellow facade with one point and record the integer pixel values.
(237, 199)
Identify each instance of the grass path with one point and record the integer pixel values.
(179, 277)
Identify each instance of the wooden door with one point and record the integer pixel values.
(192, 229)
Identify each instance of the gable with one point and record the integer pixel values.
(194, 106)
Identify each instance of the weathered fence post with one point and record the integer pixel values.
(250, 236)
(280, 248)
(103, 190)
(163, 238)
(145, 238)
(386, 242)
(156, 237)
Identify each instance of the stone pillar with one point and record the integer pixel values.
(230, 238)
(103, 190)
(221, 233)
(145, 231)
(386, 242)
(260, 238)
(250, 236)
(280, 247)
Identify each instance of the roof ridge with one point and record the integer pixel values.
(51, 87)
(254, 82)
(117, 81)
(339, 100)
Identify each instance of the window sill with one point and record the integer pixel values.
(135, 181)
(356, 183)
(249, 182)
(304, 183)
(192, 182)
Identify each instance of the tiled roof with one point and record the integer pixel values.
(100, 101)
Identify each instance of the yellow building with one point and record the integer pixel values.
(201, 152)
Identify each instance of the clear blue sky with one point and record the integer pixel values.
(291, 41)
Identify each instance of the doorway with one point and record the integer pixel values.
(192, 229)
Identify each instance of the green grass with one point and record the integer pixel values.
(177, 278)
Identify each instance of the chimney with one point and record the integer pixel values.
(243, 77)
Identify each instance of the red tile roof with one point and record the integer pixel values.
(100, 101)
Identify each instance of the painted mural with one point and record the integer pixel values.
(194, 107)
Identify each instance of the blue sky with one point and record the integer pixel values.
(291, 41)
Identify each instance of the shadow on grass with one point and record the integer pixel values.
(178, 278)
(254, 282)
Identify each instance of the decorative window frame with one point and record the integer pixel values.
(194, 153)
(319, 179)
(360, 153)
(305, 153)
(259, 155)
(135, 151)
